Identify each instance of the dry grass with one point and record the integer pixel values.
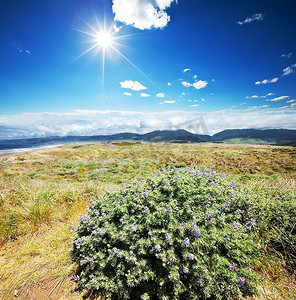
(43, 192)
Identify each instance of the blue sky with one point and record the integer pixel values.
(232, 63)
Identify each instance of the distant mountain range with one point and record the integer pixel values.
(253, 136)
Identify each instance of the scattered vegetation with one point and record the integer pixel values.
(43, 192)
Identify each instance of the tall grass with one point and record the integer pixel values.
(43, 192)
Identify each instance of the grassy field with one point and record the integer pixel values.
(43, 192)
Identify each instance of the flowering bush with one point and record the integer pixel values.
(182, 234)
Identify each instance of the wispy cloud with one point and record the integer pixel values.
(144, 95)
(270, 94)
(160, 95)
(127, 94)
(266, 81)
(253, 18)
(168, 102)
(133, 85)
(258, 107)
(291, 101)
(286, 55)
(186, 70)
(194, 105)
(282, 98)
(289, 70)
(144, 14)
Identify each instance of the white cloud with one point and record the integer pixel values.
(255, 96)
(144, 95)
(258, 107)
(289, 70)
(186, 70)
(95, 122)
(116, 28)
(169, 84)
(199, 84)
(291, 101)
(195, 100)
(265, 81)
(194, 76)
(286, 55)
(160, 95)
(270, 94)
(127, 94)
(194, 105)
(282, 98)
(255, 17)
(187, 84)
(168, 102)
(133, 85)
(142, 14)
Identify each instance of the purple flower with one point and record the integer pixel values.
(197, 233)
(238, 212)
(208, 215)
(92, 202)
(150, 233)
(157, 248)
(226, 239)
(84, 218)
(247, 197)
(132, 228)
(146, 208)
(100, 231)
(76, 278)
(190, 256)
(176, 171)
(146, 194)
(122, 199)
(173, 259)
(185, 270)
(186, 242)
(223, 175)
(232, 183)
(73, 228)
(232, 194)
(241, 281)
(134, 260)
(227, 203)
(86, 259)
(89, 210)
(236, 225)
(263, 277)
(233, 266)
(169, 210)
(181, 226)
(115, 250)
(104, 215)
(167, 236)
(121, 220)
(211, 178)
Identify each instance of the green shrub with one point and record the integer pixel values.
(182, 234)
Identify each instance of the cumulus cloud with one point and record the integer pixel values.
(197, 85)
(255, 17)
(289, 70)
(127, 94)
(160, 95)
(144, 95)
(194, 76)
(94, 122)
(282, 98)
(143, 14)
(186, 70)
(200, 84)
(187, 84)
(169, 84)
(291, 101)
(133, 85)
(265, 81)
(255, 96)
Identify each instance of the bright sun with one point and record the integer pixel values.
(104, 39)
